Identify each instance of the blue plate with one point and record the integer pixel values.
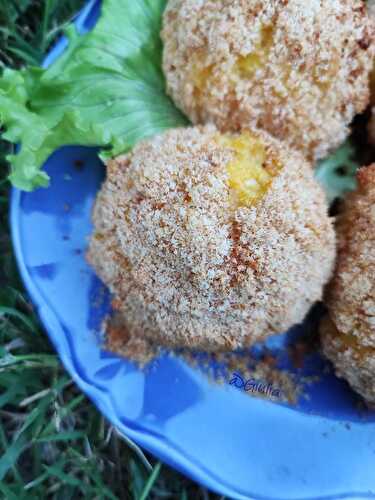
(236, 444)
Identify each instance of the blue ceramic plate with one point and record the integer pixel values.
(236, 444)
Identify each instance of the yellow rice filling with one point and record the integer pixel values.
(251, 170)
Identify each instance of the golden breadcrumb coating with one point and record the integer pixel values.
(371, 7)
(298, 69)
(371, 128)
(371, 12)
(195, 258)
(348, 335)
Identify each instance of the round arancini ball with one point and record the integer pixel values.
(371, 7)
(211, 241)
(348, 333)
(298, 69)
(371, 13)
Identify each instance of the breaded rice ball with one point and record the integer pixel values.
(298, 69)
(371, 9)
(371, 13)
(211, 241)
(348, 333)
(371, 127)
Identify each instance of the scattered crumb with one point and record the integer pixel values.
(118, 341)
(218, 367)
(79, 164)
(299, 350)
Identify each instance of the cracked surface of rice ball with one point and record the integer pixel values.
(295, 68)
(348, 332)
(211, 241)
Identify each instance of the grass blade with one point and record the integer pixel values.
(61, 436)
(10, 457)
(150, 482)
(14, 313)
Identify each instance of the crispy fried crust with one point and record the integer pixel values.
(348, 335)
(311, 63)
(186, 267)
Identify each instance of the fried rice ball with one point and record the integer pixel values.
(211, 241)
(371, 13)
(371, 9)
(298, 69)
(348, 333)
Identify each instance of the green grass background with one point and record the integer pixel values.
(53, 442)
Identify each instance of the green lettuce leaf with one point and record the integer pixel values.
(107, 89)
(337, 172)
